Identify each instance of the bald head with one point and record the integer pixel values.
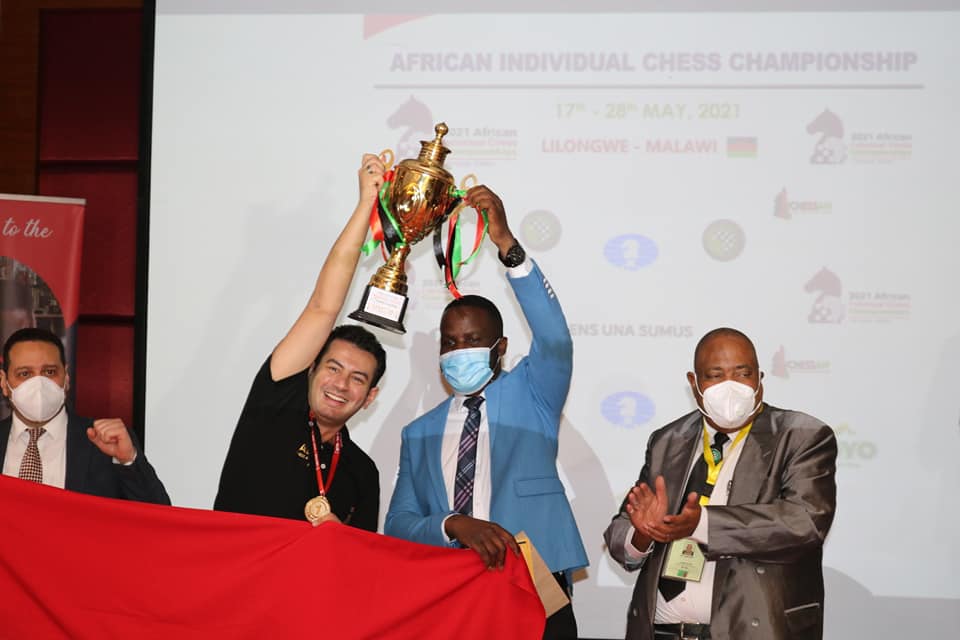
(723, 334)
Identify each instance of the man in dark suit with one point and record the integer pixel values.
(42, 443)
(759, 500)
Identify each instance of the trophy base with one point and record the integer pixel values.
(383, 309)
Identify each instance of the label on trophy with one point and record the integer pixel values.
(384, 303)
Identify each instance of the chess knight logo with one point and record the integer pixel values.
(416, 123)
(830, 147)
(828, 306)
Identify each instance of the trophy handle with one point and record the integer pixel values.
(387, 157)
(468, 181)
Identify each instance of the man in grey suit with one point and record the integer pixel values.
(727, 522)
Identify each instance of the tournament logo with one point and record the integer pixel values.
(785, 208)
(724, 240)
(627, 409)
(540, 230)
(784, 367)
(831, 307)
(631, 251)
(834, 145)
(828, 306)
(829, 147)
(416, 123)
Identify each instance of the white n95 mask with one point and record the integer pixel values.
(38, 399)
(729, 403)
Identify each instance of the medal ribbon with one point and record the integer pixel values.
(316, 460)
(713, 467)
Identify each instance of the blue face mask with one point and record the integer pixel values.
(467, 370)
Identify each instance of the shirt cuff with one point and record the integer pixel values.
(702, 532)
(521, 270)
(443, 528)
(125, 464)
(633, 554)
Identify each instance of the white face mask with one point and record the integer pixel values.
(728, 403)
(38, 399)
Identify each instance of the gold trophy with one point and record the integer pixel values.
(420, 197)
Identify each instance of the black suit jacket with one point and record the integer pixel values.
(90, 471)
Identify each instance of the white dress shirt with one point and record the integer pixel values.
(52, 446)
(695, 601)
(450, 448)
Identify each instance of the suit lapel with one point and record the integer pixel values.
(492, 395)
(5, 426)
(78, 454)
(681, 450)
(754, 460)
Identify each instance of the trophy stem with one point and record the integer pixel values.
(391, 276)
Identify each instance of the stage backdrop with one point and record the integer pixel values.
(785, 171)
(41, 242)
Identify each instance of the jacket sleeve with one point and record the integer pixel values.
(620, 527)
(798, 516)
(550, 361)
(139, 480)
(408, 518)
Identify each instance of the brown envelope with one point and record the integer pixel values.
(551, 595)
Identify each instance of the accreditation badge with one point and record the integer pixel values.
(684, 561)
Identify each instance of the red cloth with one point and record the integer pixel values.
(78, 566)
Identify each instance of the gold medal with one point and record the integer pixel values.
(316, 509)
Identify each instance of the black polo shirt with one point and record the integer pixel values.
(269, 468)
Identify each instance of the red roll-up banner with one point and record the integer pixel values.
(40, 246)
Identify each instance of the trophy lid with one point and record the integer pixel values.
(432, 152)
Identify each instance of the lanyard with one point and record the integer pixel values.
(713, 467)
(316, 461)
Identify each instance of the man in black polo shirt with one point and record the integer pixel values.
(290, 447)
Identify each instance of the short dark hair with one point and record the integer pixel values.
(32, 334)
(362, 339)
(716, 333)
(479, 302)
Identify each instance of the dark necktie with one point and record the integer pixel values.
(670, 589)
(31, 468)
(467, 458)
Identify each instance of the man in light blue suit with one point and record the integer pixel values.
(482, 465)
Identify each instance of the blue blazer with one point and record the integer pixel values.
(90, 471)
(523, 411)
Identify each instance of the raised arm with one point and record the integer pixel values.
(551, 350)
(306, 337)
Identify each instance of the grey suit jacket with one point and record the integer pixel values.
(767, 541)
(90, 471)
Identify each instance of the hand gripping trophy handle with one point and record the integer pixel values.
(418, 199)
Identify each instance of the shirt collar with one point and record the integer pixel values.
(711, 432)
(56, 428)
(459, 400)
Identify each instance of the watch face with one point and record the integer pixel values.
(515, 256)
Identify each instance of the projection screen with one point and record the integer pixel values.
(785, 168)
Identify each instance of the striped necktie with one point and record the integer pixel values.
(467, 458)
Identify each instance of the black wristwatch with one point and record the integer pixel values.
(515, 256)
